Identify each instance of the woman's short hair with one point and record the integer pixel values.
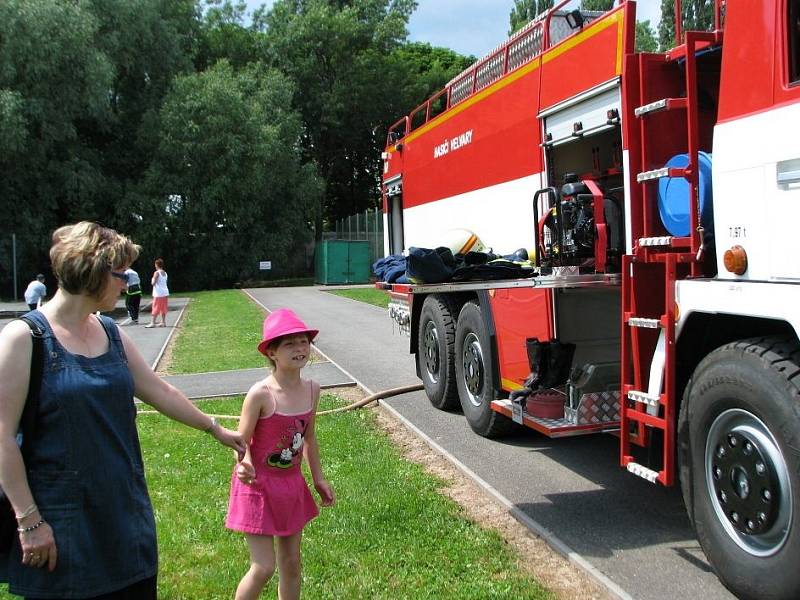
(83, 254)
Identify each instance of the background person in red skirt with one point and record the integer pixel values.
(160, 295)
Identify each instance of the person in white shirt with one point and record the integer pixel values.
(160, 295)
(133, 294)
(35, 292)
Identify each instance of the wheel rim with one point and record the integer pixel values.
(472, 360)
(431, 347)
(748, 482)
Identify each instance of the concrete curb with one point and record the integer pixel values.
(154, 366)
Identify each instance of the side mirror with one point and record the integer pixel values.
(574, 19)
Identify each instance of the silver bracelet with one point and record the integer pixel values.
(211, 427)
(31, 528)
(27, 512)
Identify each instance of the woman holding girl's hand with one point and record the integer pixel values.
(85, 522)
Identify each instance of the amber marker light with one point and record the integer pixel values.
(736, 260)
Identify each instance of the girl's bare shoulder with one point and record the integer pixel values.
(260, 395)
(314, 388)
(310, 384)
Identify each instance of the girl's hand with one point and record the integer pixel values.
(325, 492)
(39, 547)
(246, 473)
(232, 439)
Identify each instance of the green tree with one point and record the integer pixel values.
(54, 83)
(148, 42)
(13, 124)
(339, 54)
(597, 4)
(220, 12)
(227, 184)
(81, 82)
(425, 70)
(525, 11)
(645, 37)
(224, 35)
(697, 15)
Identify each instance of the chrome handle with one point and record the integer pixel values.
(789, 171)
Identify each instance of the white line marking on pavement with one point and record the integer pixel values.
(169, 337)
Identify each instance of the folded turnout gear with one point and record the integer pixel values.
(426, 265)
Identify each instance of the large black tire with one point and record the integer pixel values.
(435, 348)
(475, 374)
(739, 450)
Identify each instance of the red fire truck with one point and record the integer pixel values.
(659, 195)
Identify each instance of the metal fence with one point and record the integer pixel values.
(367, 225)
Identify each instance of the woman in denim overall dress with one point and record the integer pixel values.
(86, 527)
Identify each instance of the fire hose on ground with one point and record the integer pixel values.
(398, 391)
(388, 393)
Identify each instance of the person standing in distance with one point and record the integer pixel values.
(35, 292)
(160, 295)
(133, 294)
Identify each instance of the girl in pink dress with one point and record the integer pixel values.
(270, 501)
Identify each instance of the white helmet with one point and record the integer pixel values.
(461, 241)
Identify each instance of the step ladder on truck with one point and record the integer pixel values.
(658, 195)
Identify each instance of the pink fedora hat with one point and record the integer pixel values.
(282, 322)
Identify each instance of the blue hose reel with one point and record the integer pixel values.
(673, 197)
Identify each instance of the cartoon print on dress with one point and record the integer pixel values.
(290, 445)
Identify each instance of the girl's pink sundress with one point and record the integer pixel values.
(278, 502)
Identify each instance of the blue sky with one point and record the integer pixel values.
(472, 26)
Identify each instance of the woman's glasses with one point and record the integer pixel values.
(120, 276)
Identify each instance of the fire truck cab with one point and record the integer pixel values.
(658, 197)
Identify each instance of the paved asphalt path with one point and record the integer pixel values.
(150, 342)
(635, 533)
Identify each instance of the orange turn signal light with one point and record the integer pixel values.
(736, 260)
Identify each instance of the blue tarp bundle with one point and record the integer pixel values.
(391, 269)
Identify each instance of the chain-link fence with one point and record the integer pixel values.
(367, 225)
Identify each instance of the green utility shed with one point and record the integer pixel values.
(342, 261)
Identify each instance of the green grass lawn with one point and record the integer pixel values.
(219, 332)
(368, 295)
(391, 534)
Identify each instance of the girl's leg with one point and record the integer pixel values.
(289, 570)
(262, 567)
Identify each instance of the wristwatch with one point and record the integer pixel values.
(211, 427)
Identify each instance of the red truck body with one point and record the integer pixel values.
(657, 196)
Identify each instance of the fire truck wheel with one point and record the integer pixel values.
(739, 447)
(435, 345)
(474, 374)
